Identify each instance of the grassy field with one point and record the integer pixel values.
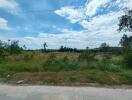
(65, 68)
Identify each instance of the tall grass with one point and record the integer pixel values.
(56, 62)
(60, 64)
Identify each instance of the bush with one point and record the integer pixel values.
(127, 75)
(60, 64)
(105, 64)
(108, 67)
(72, 79)
(127, 61)
(52, 64)
(86, 57)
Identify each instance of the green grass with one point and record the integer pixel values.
(55, 62)
(66, 68)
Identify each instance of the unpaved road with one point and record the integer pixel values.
(8, 92)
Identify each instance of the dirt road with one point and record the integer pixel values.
(8, 92)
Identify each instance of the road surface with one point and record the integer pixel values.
(8, 92)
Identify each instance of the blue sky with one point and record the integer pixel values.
(72, 23)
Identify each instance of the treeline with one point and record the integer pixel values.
(67, 49)
(13, 47)
(10, 47)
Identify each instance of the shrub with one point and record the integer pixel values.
(104, 64)
(108, 67)
(60, 64)
(52, 64)
(127, 75)
(72, 79)
(127, 61)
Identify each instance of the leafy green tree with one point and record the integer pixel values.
(14, 47)
(10, 47)
(104, 47)
(125, 22)
(126, 42)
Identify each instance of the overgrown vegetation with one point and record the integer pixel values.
(68, 63)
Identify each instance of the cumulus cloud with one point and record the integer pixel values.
(92, 6)
(127, 4)
(9, 5)
(3, 24)
(102, 21)
(72, 14)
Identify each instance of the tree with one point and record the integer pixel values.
(87, 48)
(24, 47)
(1, 47)
(67, 49)
(10, 47)
(125, 21)
(14, 47)
(45, 46)
(61, 49)
(104, 46)
(126, 42)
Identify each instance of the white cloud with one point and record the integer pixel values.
(129, 4)
(102, 21)
(124, 3)
(92, 6)
(10, 5)
(4, 24)
(72, 14)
